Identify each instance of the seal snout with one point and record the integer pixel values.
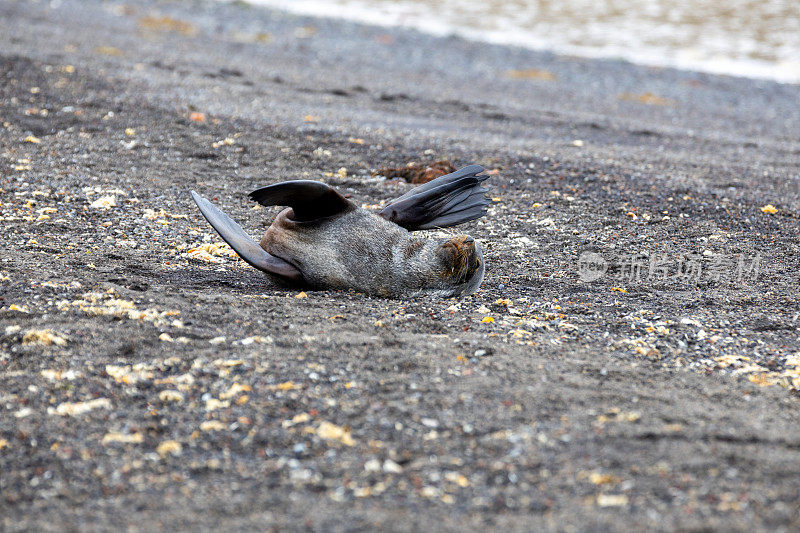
(464, 245)
(461, 240)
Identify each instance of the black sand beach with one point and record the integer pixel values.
(152, 382)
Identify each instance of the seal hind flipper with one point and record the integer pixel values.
(446, 201)
(242, 244)
(308, 199)
(472, 207)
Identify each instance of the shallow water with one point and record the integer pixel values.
(751, 38)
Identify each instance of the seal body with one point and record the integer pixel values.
(362, 251)
(324, 241)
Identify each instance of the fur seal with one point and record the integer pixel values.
(324, 241)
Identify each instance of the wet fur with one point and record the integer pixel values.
(362, 251)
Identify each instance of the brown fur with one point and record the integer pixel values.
(361, 251)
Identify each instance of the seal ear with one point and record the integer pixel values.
(242, 244)
(308, 199)
(445, 201)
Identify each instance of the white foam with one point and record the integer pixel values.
(664, 33)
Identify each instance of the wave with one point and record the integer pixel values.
(734, 37)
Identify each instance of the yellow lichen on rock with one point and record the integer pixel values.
(45, 337)
(235, 389)
(80, 408)
(212, 425)
(169, 447)
(170, 396)
(211, 252)
(99, 304)
(123, 438)
(329, 431)
(129, 375)
(104, 202)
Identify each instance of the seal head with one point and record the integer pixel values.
(324, 241)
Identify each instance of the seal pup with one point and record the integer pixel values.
(324, 241)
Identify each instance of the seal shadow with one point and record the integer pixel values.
(238, 281)
(191, 278)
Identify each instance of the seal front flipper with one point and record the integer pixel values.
(445, 201)
(242, 244)
(308, 199)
